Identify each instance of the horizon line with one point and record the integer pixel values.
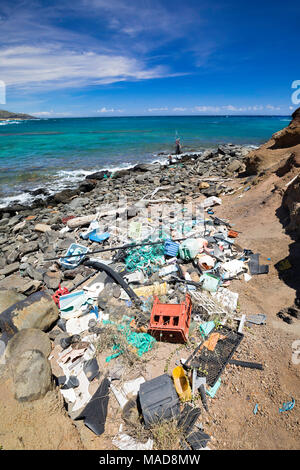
(166, 115)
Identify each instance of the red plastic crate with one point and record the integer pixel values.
(171, 322)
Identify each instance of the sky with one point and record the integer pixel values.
(76, 58)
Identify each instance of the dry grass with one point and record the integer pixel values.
(167, 435)
(109, 338)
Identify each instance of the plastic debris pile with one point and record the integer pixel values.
(152, 285)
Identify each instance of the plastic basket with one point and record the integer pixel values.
(171, 322)
(171, 248)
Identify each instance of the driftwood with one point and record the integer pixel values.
(87, 219)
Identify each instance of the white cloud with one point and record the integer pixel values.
(273, 108)
(151, 110)
(205, 109)
(57, 67)
(109, 110)
(233, 109)
(50, 113)
(179, 109)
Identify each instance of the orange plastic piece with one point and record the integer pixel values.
(211, 342)
(171, 322)
(232, 234)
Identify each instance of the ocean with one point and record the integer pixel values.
(56, 153)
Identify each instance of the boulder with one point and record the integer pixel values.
(25, 340)
(36, 274)
(19, 284)
(29, 247)
(63, 196)
(42, 228)
(203, 185)
(19, 226)
(31, 376)
(235, 165)
(9, 298)
(99, 175)
(36, 311)
(52, 280)
(9, 269)
(79, 202)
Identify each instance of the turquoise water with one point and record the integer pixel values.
(55, 153)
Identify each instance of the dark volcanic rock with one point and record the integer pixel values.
(99, 175)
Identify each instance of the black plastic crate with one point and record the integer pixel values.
(210, 364)
(158, 400)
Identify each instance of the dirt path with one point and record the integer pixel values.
(232, 421)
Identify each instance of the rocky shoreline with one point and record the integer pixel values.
(222, 161)
(28, 234)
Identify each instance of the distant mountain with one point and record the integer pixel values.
(8, 115)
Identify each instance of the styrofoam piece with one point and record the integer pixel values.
(197, 381)
(95, 289)
(126, 442)
(233, 267)
(133, 386)
(226, 298)
(190, 287)
(136, 276)
(166, 270)
(242, 322)
(120, 396)
(64, 229)
(82, 393)
(69, 395)
(76, 326)
(211, 201)
(89, 353)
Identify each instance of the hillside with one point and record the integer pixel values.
(8, 115)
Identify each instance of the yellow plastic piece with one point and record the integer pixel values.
(155, 289)
(181, 383)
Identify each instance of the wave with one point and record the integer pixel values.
(22, 198)
(6, 123)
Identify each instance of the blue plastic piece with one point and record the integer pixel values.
(206, 328)
(171, 248)
(213, 390)
(98, 237)
(95, 311)
(255, 409)
(74, 249)
(287, 406)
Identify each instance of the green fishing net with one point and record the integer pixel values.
(142, 342)
(147, 258)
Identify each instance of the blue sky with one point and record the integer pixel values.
(149, 57)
